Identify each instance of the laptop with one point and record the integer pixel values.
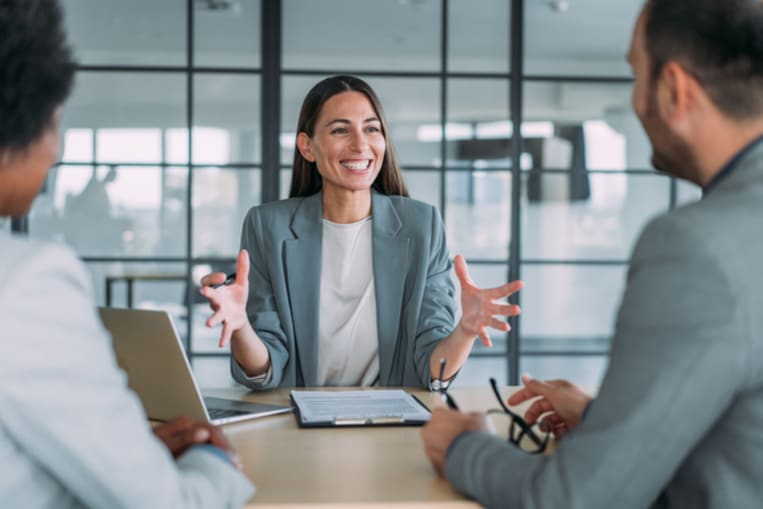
(149, 350)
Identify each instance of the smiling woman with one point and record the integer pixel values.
(347, 239)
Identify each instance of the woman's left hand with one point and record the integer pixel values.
(479, 306)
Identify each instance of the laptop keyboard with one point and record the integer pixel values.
(221, 413)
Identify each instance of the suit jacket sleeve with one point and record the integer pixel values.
(66, 404)
(677, 361)
(261, 308)
(438, 305)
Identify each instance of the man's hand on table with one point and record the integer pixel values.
(443, 428)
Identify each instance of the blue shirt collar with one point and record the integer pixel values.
(731, 165)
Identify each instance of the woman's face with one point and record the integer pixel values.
(347, 143)
(25, 170)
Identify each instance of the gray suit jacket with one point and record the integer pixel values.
(71, 433)
(678, 421)
(414, 291)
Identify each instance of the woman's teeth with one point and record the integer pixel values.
(356, 165)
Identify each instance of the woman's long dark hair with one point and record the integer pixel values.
(305, 179)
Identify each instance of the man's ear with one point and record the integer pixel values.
(677, 94)
(304, 147)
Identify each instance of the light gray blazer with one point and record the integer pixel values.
(71, 433)
(678, 421)
(414, 292)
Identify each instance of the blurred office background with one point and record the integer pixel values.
(513, 118)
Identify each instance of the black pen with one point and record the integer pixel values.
(228, 280)
(444, 390)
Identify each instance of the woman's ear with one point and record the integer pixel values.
(304, 145)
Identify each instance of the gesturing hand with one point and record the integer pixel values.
(228, 301)
(561, 403)
(479, 307)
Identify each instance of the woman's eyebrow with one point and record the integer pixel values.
(347, 121)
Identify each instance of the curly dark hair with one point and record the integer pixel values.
(36, 69)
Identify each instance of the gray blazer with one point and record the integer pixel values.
(414, 291)
(71, 432)
(678, 421)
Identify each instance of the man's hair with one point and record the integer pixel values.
(719, 41)
(36, 69)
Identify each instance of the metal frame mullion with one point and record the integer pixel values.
(189, 187)
(270, 98)
(443, 106)
(516, 55)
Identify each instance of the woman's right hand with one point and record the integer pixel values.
(228, 301)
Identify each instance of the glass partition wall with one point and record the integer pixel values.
(512, 118)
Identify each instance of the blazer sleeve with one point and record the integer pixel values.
(261, 307)
(438, 305)
(676, 364)
(66, 404)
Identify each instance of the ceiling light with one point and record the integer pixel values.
(559, 5)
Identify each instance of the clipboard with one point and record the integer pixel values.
(389, 407)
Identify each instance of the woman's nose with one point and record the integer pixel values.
(359, 142)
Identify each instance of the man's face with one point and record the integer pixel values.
(670, 153)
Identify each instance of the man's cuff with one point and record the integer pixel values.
(455, 441)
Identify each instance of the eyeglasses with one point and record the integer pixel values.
(521, 434)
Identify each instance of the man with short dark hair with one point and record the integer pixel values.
(678, 421)
(71, 432)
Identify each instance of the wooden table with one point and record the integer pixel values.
(369, 467)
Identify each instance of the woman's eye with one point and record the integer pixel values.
(339, 130)
(373, 129)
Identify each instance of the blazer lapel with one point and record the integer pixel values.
(303, 274)
(390, 260)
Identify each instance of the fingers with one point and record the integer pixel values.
(499, 324)
(181, 433)
(537, 409)
(521, 396)
(538, 387)
(505, 309)
(225, 335)
(242, 267)
(502, 291)
(461, 271)
(214, 278)
(485, 338)
(217, 318)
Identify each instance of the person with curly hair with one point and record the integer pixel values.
(71, 432)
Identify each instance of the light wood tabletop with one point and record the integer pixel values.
(370, 467)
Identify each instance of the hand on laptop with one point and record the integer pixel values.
(181, 433)
(228, 301)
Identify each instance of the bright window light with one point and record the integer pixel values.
(176, 145)
(211, 145)
(453, 131)
(143, 145)
(78, 145)
(605, 147)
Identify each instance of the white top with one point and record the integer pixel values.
(348, 339)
